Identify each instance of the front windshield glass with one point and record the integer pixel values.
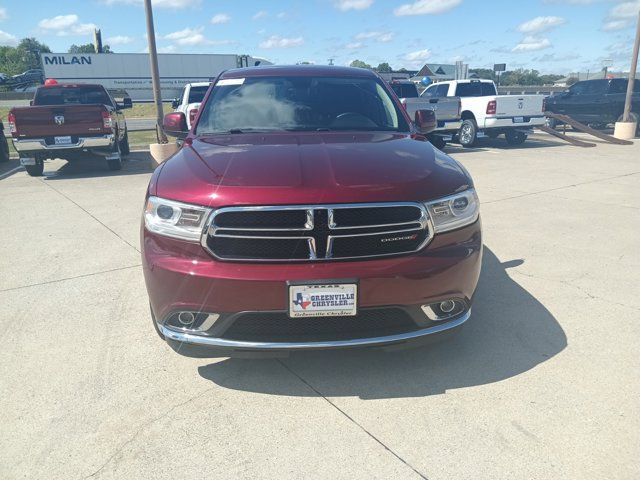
(300, 104)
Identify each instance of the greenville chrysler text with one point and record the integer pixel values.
(306, 210)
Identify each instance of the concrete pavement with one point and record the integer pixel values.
(543, 382)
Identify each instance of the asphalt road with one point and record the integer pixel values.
(542, 383)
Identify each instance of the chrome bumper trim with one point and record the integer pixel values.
(39, 144)
(359, 342)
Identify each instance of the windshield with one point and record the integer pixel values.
(300, 103)
(72, 96)
(405, 90)
(196, 94)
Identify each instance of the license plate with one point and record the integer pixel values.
(518, 119)
(62, 140)
(332, 300)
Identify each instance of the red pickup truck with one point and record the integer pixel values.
(67, 120)
(306, 210)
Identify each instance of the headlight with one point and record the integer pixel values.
(455, 211)
(175, 219)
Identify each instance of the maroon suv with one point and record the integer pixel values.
(306, 210)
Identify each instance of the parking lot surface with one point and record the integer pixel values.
(543, 382)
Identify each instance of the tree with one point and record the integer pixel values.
(384, 68)
(484, 73)
(550, 79)
(359, 64)
(30, 50)
(26, 55)
(88, 48)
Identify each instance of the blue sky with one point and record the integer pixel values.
(553, 36)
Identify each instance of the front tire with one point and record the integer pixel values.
(468, 134)
(35, 170)
(124, 144)
(4, 149)
(515, 137)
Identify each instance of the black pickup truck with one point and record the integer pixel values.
(594, 102)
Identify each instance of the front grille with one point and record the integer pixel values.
(279, 327)
(317, 232)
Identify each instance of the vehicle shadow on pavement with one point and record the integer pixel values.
(92, 166)
(509, 332)
(539, 140)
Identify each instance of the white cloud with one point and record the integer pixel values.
(426, 7)
(614, 25)
(625, 10)
(621, 16)
(172, 4)
(383, 37)
(3, 14)
(220, 18)
(354, 45)
(276, 41)
(8, 40)
(417, 59)
(346, 5)
(281, 15)
(531, 44)
(540, 24)
(63, 25)
(193, 36)
(260, 15)
(119, 40)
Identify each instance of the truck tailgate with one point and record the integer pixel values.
(519, 105)
(56, 120)
(447, 108)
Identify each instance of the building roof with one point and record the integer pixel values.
(439, 71)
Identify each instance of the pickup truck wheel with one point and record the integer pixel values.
(124, 144)
(437, 142)
(515, 137)
(468, 133)
(35, 170)
(4, 149)
(114, 164)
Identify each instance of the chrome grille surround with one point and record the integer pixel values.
(422, 223)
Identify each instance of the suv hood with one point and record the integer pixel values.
(308, 168)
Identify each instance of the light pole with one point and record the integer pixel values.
(155, 75)
(632, 74)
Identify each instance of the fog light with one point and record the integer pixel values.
(186, 318)
(448, 306)
(192, 321)
(445, 310)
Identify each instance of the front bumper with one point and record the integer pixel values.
(35, 145)
(182, 276)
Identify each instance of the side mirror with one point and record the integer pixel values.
(31, 103)
(126, 103)
(426, 121)
(175, 125)
(175, 103)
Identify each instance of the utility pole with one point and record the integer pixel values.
(155, 75)
(626, 116)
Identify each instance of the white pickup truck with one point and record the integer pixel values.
(485, 113)
(190, 99)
